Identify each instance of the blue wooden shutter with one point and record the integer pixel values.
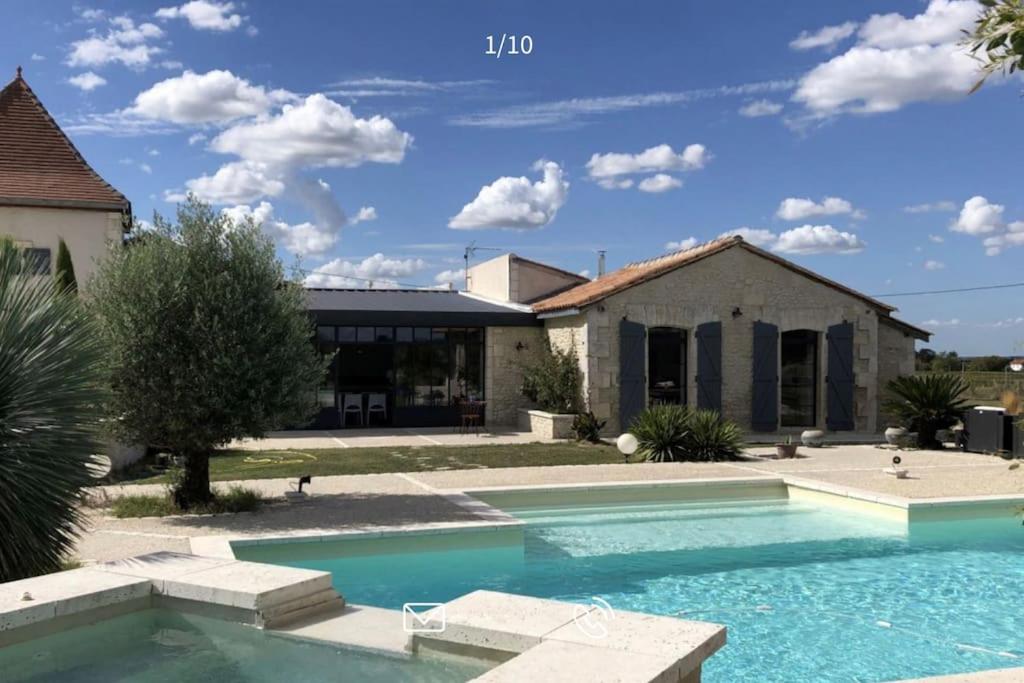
(632, 371)
(764, 409)
(840, 381)
(709, 366)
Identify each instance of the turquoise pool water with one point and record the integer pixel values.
(808, 593)
(157, 646)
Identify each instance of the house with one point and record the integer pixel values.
(47, 189)
(724, 325)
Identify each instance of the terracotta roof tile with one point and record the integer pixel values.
(39, 166)
(642, 271)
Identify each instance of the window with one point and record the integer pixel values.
(666, 365)
(439, 367)
(328, 348)
(38, 259)
(799, 378)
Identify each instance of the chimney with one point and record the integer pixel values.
(600, 263)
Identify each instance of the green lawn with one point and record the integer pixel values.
(227, 465)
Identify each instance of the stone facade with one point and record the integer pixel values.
(545, 425)
(503, 370)
(712, 289)
(895, 359)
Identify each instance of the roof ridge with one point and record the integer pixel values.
(678, 252)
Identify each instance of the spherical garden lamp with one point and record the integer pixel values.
(627, 444)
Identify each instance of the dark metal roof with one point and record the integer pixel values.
(411, 307)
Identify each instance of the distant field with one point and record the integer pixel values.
(986, 387)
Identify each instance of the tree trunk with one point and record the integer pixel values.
(194, 487)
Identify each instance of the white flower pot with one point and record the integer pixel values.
(813, 438)
(894, 436)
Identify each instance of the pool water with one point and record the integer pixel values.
(158, 646)
(808, 593)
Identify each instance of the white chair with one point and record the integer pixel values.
(351, 403)
(377, 403)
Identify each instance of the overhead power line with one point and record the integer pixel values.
(950, 291)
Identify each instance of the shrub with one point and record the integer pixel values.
(712, 438)
(926, 404)
(208, 342)
(676, 433)
(586, 427)
(662, 432)
(235, 499)
(50, 394)
(64, 274)
(554, 381)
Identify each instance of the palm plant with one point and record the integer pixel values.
(712, 438)
(661, 432)
(926, 404)
(50, 398)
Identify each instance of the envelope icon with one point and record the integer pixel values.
(423, 617)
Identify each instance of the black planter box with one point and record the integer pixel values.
(985, 431)
(1015, 435)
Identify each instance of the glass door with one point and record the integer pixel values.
(799, 378)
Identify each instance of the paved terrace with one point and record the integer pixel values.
(370, 500)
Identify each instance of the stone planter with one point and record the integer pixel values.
(785, 450)
(896, 436)
(545, 425)
(813, 438)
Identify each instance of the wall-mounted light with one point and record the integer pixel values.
(520, 346)
(736, 312)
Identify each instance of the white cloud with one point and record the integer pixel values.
(316, 132)
(979, 217)
(759, 237)
(87, 81)
(124, 43)
(943, 21)
(215, 96)
(36, 57)
(516, 202)
(379, 269)
(399, 87)
(579, 110)
(659, 158)
(456, 277)
(897, 61)
(827, 36)
(1013, 237)
(937, 239)
(302, 238)
(238, 182)
(274, 150)
(661, 182)
(796, 209)
(616, 183)
(934, 265)
(952, 322)
(366, 213)
(760, 108)
(932, 207)
(203, 15)
(688, 243)
(817, 239)
(196, 138)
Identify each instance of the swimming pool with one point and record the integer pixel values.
(160, 645)
(808, 593)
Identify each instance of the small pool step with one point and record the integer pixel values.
(321, 602)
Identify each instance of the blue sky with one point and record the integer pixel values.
(376, 140)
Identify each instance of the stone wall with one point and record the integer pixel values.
(710, 290)
(503, 370)
(895, 359)
(570, 333)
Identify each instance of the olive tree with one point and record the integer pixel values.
(208, 341)
(998, 37)
(50, 404)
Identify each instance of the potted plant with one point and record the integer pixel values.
(926, 404)
(787, 449)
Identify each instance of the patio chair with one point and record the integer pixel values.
(351, 403)
(470, 414)
(377, 403)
